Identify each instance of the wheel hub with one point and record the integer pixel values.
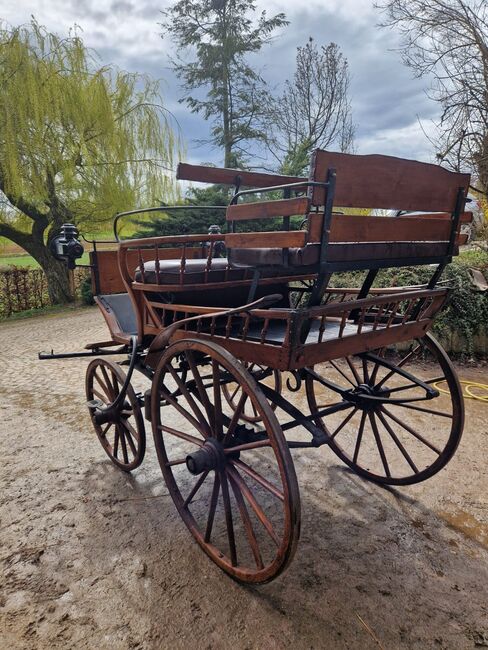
(210, 456)
(366, 397)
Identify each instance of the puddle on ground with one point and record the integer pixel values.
(466, 524)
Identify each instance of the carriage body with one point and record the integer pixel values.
(214, 334)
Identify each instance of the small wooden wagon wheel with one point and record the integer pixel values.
(391, 433)
(124, 436)
(233, 485)
(233, 391)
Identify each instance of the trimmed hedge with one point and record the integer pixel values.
(23, 289)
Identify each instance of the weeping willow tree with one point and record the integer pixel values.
(77, 142)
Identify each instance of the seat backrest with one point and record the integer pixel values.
(362, 241)
(377, 181)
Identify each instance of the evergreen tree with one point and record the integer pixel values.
(218, 35)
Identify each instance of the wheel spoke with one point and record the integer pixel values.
(341, 372)
(104, 431)
(258, 478)
(109, 384)
(359, 437)
(235, 418)
(130, 428)
(189, 398)
(124, 444)
(185, 413)
(400, 364)
(128, 437)
(344, 422)
(234, 393)
(248, 527)
(228, 518)
(435, 380)
(411, 431)
(251, 499)
(393, 435)
(379, 444)
(116, 441)
(195, 489)
(353, 370)
(180, 434)
(104, 398)
(108, 391)
(202, 393)
(257, 444)
(423, 410)
(178, 461)
(218, 425)
(213, 505)
(365, 370)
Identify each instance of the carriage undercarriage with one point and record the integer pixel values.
(226, 456)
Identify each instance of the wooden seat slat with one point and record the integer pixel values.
(268, 209)
(465, 217)
(274, 239)
(359, 228)
(394, 251)
(367, 181)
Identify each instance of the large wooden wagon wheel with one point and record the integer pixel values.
(233, 485)
(390, 433)
(233, 391)
(123, 437)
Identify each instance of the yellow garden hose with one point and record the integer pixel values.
(468, 393)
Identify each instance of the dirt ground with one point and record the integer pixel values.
(94, 558)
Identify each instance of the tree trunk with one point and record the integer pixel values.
(58, 285)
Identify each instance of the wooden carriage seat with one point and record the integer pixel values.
(357, 241)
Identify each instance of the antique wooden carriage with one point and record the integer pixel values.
(215, 321)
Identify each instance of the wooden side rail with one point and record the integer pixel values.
(275, 336)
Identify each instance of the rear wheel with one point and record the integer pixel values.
(234, 485)
(398, 428)
(233, 391)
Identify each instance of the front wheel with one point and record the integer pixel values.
(394, 430)
(123, 437)
(234, 484)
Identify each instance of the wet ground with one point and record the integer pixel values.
(94, 558)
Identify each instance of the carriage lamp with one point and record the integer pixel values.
(65, 246)
(219, 249)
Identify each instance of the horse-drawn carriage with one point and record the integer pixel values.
(214, 322)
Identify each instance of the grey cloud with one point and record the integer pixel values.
(121, 7)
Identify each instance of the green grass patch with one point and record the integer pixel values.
(26, 261)
(475, 258)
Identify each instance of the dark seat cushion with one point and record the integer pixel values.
(194, 272)
(305, 256)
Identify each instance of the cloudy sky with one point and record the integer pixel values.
(387, 102)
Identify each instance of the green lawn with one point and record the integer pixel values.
(26, 261)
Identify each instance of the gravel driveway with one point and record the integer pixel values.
(94, 558)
